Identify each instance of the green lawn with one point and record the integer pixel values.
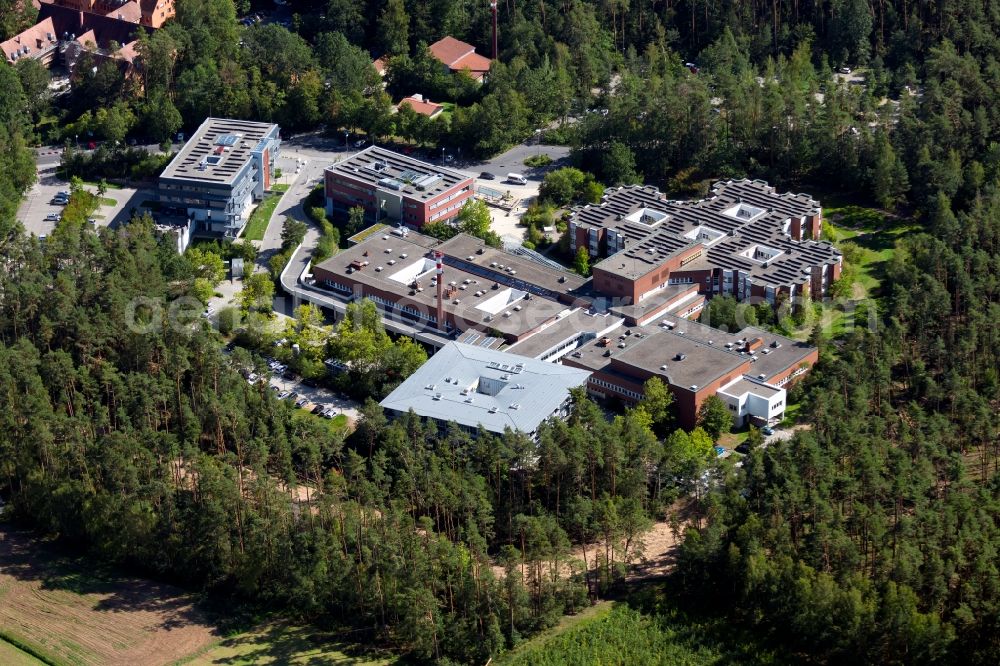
(873, 234)
(11, 655)
(262, 215)
(108, 201)
(94, 183)
(283, 644)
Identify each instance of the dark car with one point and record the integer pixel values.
(743, 448)
(317, 409)
(486, 175)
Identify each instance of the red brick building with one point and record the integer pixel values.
(396, 188)
(745, 240)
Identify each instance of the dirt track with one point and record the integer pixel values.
(63, 611)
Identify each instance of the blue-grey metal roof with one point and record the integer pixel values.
(475, 386)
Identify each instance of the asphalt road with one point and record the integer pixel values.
(512, 161)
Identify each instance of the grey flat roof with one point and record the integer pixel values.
(653, 301)
(463, 246)
(646, 254)
(203, 145)
(743, 385)
(476, 386)
(388, 170)
(701, 364)
(576, 323)
(379, 249)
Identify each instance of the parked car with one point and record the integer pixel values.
(486, 175)
(52, 217)
(301, 402)
(59, 201)
(767, 430)
(292, 396)
(318, 409)
(283, 394)
(845, 70)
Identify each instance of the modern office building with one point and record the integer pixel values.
(744, 240)
(224, 168)
(392, 187)
(478, 387)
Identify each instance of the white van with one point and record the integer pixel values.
(517, 179)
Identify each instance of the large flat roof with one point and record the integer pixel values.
(217, 151)
(475, 386)
(579, 322)
(474, 252)
(684, 362)
(389, 170)
(504, 308)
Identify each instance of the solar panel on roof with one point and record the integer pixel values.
(226, 140)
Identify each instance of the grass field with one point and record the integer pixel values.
(257, 224)
(283, 644)
(874, 234)
(71, 612)
(646, 631)
(11, 655)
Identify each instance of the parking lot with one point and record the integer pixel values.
(37, 203)
(314, 395)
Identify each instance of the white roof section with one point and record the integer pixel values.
(476, 386)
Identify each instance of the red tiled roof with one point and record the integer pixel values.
(130, 11)
(106, 28)
(422, 106)
(449, 50)
(88, 36)
(35, 38)
(476, 64)
(128, 52)
(379, 64)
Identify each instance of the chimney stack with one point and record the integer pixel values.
(440, 289)
(493, 9)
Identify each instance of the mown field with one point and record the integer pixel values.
(55, 609)
(283, 644)
(66, 612)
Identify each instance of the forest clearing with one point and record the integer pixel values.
(65, 613)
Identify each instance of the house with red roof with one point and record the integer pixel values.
(424, 107)
(457, 56)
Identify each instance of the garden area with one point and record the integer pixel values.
(261, 216)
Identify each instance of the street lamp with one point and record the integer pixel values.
(345, 139)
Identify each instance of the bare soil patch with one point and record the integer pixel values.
(65, 611)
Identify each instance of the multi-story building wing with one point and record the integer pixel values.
(396, 188)
(224, 168)
(744, 240)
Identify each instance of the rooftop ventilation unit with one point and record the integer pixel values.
(680, 357)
